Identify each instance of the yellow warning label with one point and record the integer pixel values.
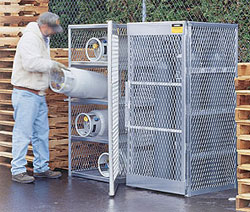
(85, 118)
(177, 28)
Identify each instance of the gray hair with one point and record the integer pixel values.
(47, 18)
(52, 20)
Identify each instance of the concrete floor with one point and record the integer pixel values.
(65, 195)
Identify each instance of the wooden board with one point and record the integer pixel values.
(33, 2)
(5, 70)
(243, 99)
(244, 186)
(53, 144)
(25, 2)
(244, 167)
(18, 20)
(9, 155)
(244, 137)
(243, 92)
(243, 129)
(7, 53)
(55, 53)
(242, 202)
(5, 81)
(242, 114)
(5, 133)
(61, 164)
(10, 32)
(4, 91)
(243, 144)
(7, 164)
(5, 102)
(242, 83)
(9, 41)
(244, 69)
(9, 144)
(242, 174)
(23, 8)
(243, 159)
(7, 123)
(6, 64)
(244, 152)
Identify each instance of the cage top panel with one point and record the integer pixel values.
(88, 26)
(156, 28)
(209, 24)
(94, 26)
(169, 27)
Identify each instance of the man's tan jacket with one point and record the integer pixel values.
(32, 61)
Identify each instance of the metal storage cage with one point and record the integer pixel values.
(180, 106)
(110, 40)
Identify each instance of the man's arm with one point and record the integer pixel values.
(32, 59)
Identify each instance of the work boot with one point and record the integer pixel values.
(23, 178)
(48, 174)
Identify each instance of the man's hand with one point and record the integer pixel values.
(56, 67)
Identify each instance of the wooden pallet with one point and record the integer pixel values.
(22, 2)
(242, 117)
(58, 117)
(15, 15)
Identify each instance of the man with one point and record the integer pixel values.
(30, 79)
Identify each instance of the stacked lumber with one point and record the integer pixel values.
(14, 16)
(58, 120)
(242, 117)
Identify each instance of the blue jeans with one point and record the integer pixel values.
(31, 125)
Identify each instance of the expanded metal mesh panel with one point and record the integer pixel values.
(207, 93)
(123, 78)
(181, 102)
(77, 108)
(155, 147)
(213, 47)
(84, 155)
(212, 126)
(156, 58)
(156, 106)
(114, 103)
(147, 151)
(79, 38)
(215, 133)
